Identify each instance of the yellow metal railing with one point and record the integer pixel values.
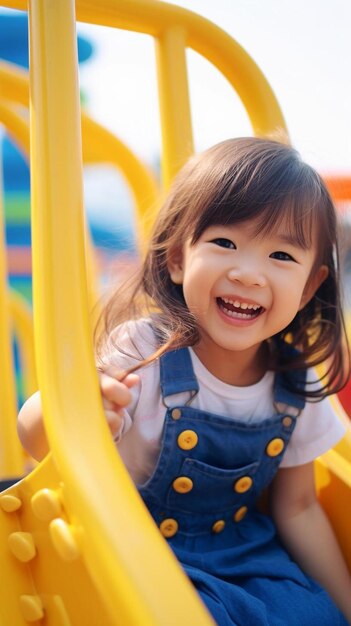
(174, 30)
(84, 455)
(99, 144)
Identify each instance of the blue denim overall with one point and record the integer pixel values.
(202, 495)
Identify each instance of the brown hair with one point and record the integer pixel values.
(236, 181)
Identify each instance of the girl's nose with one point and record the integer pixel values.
(249, 276)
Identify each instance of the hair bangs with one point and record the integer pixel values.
(293, 218)
(296, 211)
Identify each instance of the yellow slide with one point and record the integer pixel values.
(77, 546)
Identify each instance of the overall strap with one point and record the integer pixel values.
(290, 386)
(177, 374)
(283, 393)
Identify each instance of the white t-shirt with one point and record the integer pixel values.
(317, 430)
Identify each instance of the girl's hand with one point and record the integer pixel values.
(114, 387)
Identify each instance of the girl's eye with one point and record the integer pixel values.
(223, 243)
(281, 256)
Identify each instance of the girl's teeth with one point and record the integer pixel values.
(241, 305)
(243, 316)
(237, 309)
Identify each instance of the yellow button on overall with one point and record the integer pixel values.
(243, 484)
(287, 421)
(169, 527)
(275, 447)
(187, 439)
(218, 526)
(176, 414)
(240, 514)
(182, 484)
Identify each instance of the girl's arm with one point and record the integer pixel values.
(307, 534)
(115, 396)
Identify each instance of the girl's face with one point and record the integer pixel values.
(242, 287)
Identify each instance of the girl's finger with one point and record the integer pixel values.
(131, 380)
(114, 421)
(114, 372)
(108, 405)
(114, 391)
(128, 379)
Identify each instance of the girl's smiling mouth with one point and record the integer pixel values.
(239, 309)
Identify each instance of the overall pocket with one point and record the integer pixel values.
(200, 487)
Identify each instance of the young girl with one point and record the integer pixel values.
(236, 302)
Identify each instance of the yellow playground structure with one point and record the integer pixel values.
(77, 546)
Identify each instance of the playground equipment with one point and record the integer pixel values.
(77, 545)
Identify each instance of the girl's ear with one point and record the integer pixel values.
(175, 266)
(313, 284)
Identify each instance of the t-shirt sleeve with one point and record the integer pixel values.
(138, 341)
(318, 428)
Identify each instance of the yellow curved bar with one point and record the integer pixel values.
(11, 454)
(175, 29)
(16, 4)
(333, 482)
(343, 448)
(100, 145)
(177, 137)
(154, 17)
(16, 126)
(14, 83)
(81, 444)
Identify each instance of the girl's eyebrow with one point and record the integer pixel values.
(291, 239)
